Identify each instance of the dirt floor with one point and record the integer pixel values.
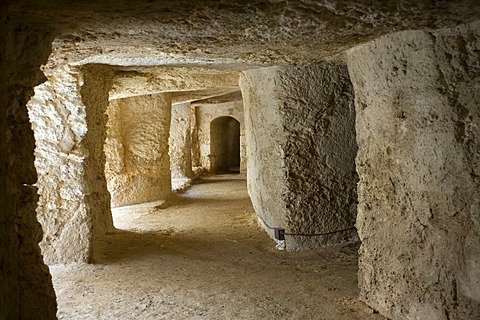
(205, 257)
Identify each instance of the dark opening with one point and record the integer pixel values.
(225, 145)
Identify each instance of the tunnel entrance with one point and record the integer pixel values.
(225, 145)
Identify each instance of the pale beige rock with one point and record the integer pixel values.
(301, 152)
(59, 122)
(141, 81)
(228, 32)
(180, 97)
(138, 167)
(207, 112)
(265, 169)
(417, 125)
(439, 79)
(97, 81)
(205, 257)
(74, 203)
(180, 145)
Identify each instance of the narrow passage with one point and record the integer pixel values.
(205, 257)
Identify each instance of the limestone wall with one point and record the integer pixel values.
(68, 119)
(59, 122)
(138, 164)
(26, 290)
(319, 153)
(263, 131)
(202, 32)
(204, 115)
(180, 145)
(301, 151)
(417, 101)
(97, 81)
(139, 81)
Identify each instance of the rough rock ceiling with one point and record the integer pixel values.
(205, 96)
(233, 96)
(136, 81)
(237, 33)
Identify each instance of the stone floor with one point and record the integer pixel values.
(204, 257)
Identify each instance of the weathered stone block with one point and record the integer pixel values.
(138, 167)
(301, 151)
(417, 103)
(180, 142)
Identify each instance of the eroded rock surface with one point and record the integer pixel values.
(417, 126)
(25, 283)
(264, 134)
(68, 116)
(180, 142)
(208, 32)
(301, 151)
(417, 105)
(97, 80)
(139, 81)
(319, 154)
(59, 122)
(207, 112)
(137, 149)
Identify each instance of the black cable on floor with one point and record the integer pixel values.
(319, 234)
(306, 234)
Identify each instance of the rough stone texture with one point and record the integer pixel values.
(301, 136)
(180, 145)
(138, 81)
(26, 290)
(417, 98)
(69, 160)
(263, 131)
(59, 122)
(230, 36)
(319, 153)
(204, 115)
(138, 167)
(175, 31)
(97, 81)
(179, 97)
(196, 158)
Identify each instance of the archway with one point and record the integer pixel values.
(225, 145)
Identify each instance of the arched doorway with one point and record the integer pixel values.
(225, 145)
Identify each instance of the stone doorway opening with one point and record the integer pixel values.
(225, 145)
